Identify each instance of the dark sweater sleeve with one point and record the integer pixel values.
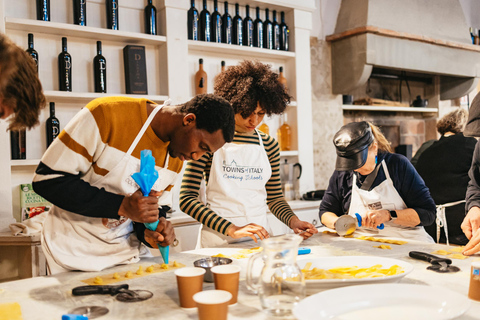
(473, 190)
(412, 188)
(332, 200)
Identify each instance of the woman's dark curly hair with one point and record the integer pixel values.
(250, 82)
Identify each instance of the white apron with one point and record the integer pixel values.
(236, 189)
(75, 242)
(383, 196)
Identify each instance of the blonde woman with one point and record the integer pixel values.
(382, 187)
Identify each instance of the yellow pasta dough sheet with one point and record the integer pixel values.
(383, 246)
(452, 253)
(242, 254)
(137, 273)
(350, 272)
(10, 311)
(390, 241)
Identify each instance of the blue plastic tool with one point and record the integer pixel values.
(359, 220)
(304, 251)
(146, 179)
(74, 317)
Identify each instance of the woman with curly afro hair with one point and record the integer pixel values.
(243, 177)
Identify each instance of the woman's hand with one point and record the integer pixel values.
(374, 218)
(249, 230)
(302, 228)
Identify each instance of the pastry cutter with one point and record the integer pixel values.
(86, 312)
(345, 225)
(359, 220)
(122, 292)
(441, 265)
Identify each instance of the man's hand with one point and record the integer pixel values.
(302, 228)
(249, 230)
(374, 218)
(139, 208)
(163, 235)
(471, 222)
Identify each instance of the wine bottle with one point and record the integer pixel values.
(258, 31)
(284, 135)
(237, 27)
(112, 14)
(205, 23)
(222, 66)
(100, 70)
(192, 22)
(80, 12)
(31, 51)
(226, 26)
(150, 18)
(43, 10)
(267, 31)
(52, 125)
(64, 68)
(284, 33)
(264, 128)
(282, 79)
(200, 79)
(216, 24)
(247, 28)
(18, 144)
(276, 32)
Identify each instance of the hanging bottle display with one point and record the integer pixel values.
(267, 31)
(216, 24)
(150, 18)
(258, 31)
(100, 70)
(247, 28)
(192, 22)
(284, 33)
(80, 12)
(276, 32)
(200, 79)
(226, 26)
(52, 125)
(284, 135)
(237, 27)
(43, 10)
(112, 14)
(64, 68)
(31, 51)
(205, 23)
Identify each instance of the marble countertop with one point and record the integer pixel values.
(50, 297)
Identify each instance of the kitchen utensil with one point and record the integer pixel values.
(345, 225)
(441, 265)
(91, 312)
(280, 285)
(359, 220)
(384, 301)
(122, 292)
(290, 179)
(304, 251)
(208, 263)
(313, 286)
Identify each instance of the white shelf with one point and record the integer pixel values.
(25, 163)
(222, 48)
(64, 96)
(72, 30)
(289, 153)
(387, 108)
(292, 104)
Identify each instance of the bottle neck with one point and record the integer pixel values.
(30, 41)
(200, 67)
(193, 4)
(215, 5)
(64, 44)
(99, 47)
(205, 4)
(283, 17)
(258, 13)
(247, 11)
(266, 14)
(52, 110)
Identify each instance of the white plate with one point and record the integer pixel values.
(314, 286)
(390, 301)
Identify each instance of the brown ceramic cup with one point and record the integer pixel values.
(189, 282)
(227, 278)
(212, 304)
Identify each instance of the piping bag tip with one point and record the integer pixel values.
(164, 251)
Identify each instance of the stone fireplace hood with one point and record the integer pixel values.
(428, 37)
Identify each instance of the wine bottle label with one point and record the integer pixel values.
(207, 28)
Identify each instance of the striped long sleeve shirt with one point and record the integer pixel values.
(195, 171)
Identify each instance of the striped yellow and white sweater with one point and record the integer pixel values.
(196, 170)
(91, 145)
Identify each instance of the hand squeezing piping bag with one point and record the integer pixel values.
(146, 179)
(359, 219)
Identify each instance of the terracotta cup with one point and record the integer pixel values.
(212, 304)
(226, 278)
(189, 282)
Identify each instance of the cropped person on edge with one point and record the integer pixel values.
(381, 186)
(471, 222)
(20, 89)
(243, 177)
(444, 167)
(98, 211)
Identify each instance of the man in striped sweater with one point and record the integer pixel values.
(98, 214)
(243, 177)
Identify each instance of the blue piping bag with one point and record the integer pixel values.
(359, 220)
(146, 179)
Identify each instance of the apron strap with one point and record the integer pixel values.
(441, 219)
(144, 128)
(368, 182)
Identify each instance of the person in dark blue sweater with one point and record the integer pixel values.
(381, 186)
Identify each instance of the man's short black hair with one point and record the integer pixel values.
(213, 113)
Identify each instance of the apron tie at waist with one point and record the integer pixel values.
(441, 219)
